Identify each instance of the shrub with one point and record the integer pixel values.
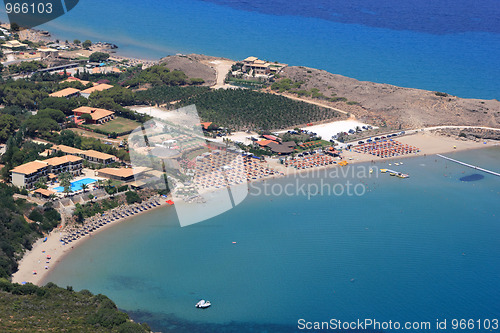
(132, 197)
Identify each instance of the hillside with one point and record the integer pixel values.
(191, 66)
(397, 106)
(30, 308)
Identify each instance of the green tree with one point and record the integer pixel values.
(65, 181)
(132, 197)
(98, 57)
(15, 27)
(54, 114)
(41, 183)
(86, 44)
(77, 42)
(8, 125)
(87, 117)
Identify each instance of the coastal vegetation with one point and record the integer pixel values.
(290, 86)
(160, 75)
(93, 208)
(18, 235)
(167, 94)
(51, 308)
(98, 57)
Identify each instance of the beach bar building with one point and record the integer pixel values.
(122, 174)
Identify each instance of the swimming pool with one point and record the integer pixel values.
(76, 185)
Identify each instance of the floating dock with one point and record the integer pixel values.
(395, 173)
(470, 165)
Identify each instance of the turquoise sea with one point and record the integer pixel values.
(423, 249)
(417, 249)
(443, 45)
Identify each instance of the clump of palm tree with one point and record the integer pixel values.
(65, 181)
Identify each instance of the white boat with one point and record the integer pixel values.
(203, 304)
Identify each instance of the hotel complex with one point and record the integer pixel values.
(26, 175)
(92, 156)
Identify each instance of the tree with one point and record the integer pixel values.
(65, 181)
(15, 27)
(98, 57)
(8, 125)
(87, 44)
(132, 197)
(87, 117)
(54, 114)
(85, 187)
(77, 42)
(41, 183)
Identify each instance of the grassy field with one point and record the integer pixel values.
(117, 125)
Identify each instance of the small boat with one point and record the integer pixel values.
(383, 170)
(202, 304)
(371, 170)
(392, 173)
(402, 175)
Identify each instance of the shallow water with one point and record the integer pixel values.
(421, 248)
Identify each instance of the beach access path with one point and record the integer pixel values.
(221, 67)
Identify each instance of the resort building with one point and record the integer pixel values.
(44, 193)
(68, 163)
(26, 175)
(68, 92)
(99, 116)
(90, 155)
(97, 157)
(284, 148)
(74, 79)
(100, 87)
(48, 53)
(12, 44)
(261, 67)
(123, 174)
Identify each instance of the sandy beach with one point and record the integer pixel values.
(429, 144)
(37, 259)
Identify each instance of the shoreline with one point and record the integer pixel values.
(36, 258)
